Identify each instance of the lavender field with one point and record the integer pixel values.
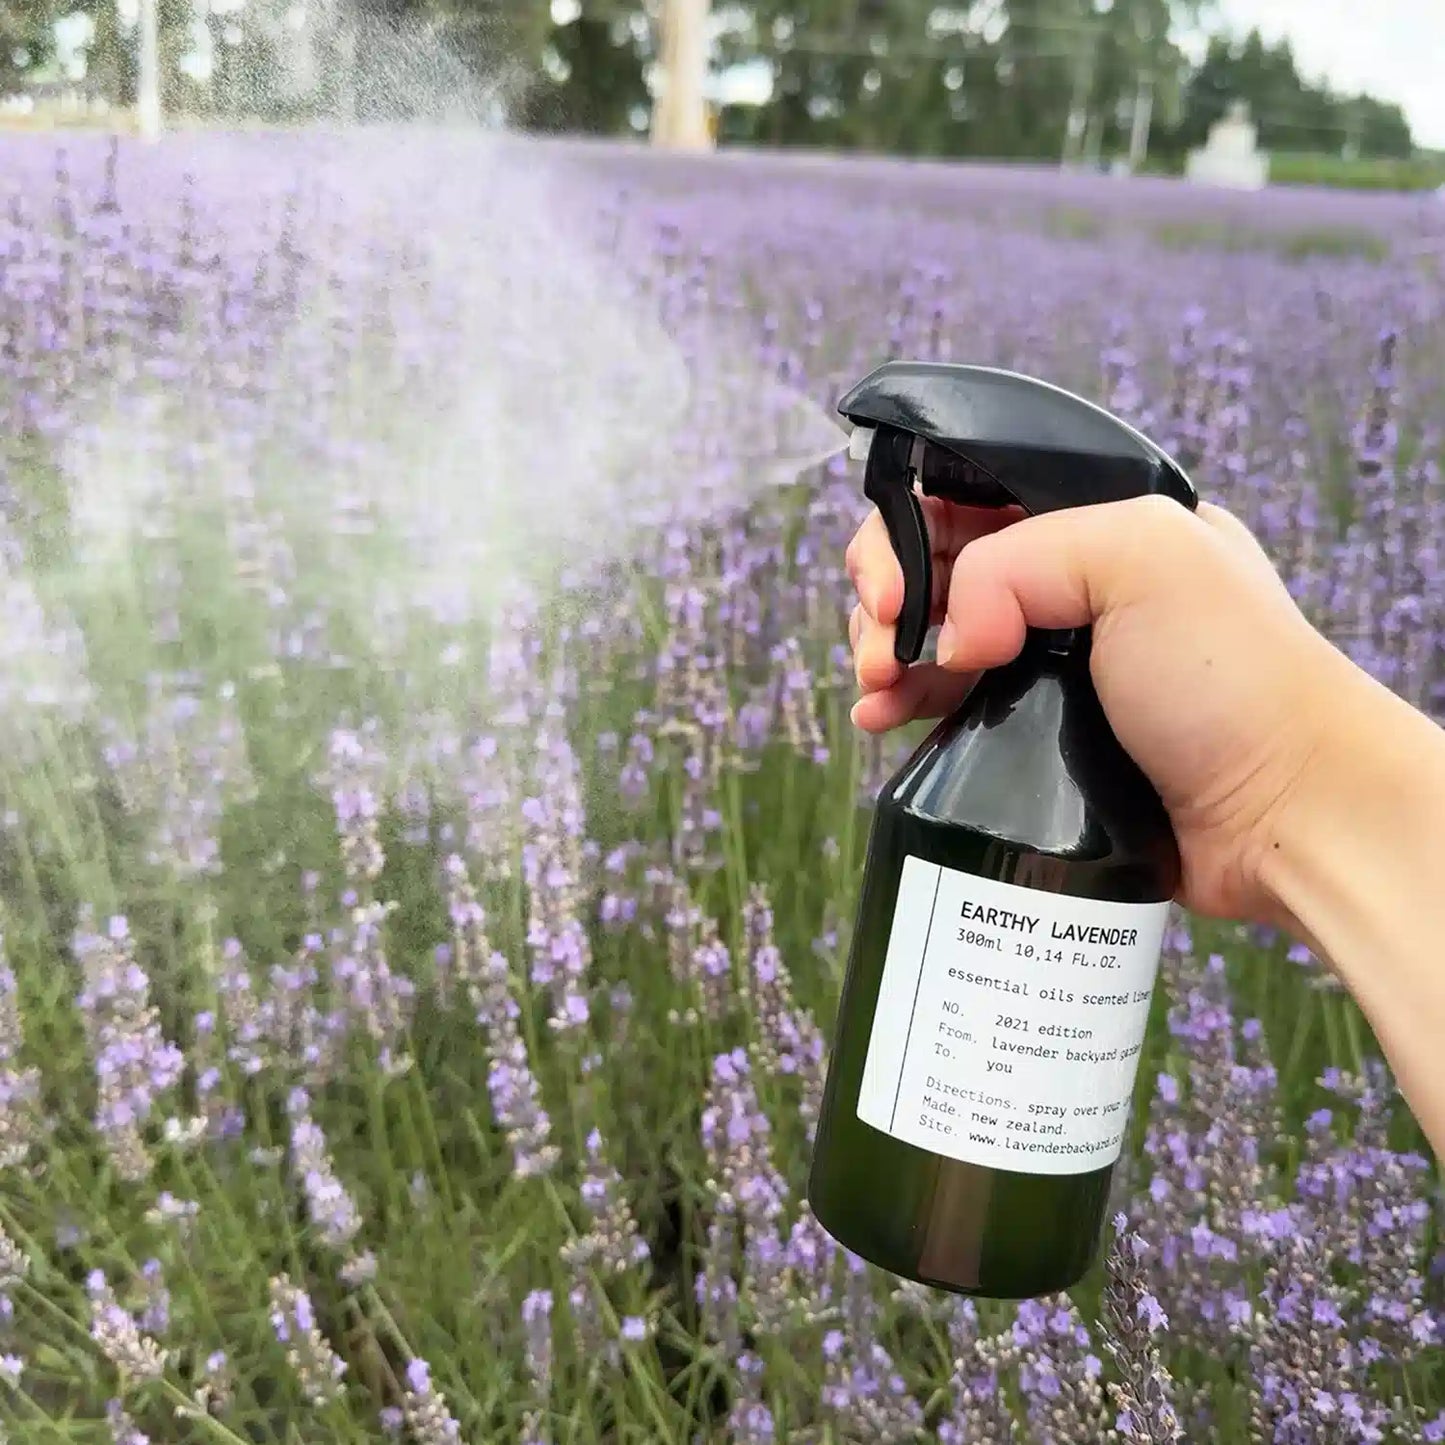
(430, 823)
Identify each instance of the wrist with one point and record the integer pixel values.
(1355, 869)
(1371, 799)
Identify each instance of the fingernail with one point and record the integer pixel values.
(947, 642)
(853, 712)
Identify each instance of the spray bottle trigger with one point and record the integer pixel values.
(888, 484)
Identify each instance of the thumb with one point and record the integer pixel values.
(1062, 569)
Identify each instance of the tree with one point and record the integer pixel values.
(597, 69)
(111, 56)
(1382, 128)
(1023, 79)
(27, 40)
(1009, 78)
(1144, 71)
(1291, 113)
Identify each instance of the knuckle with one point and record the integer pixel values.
(1161, 535)
(975, 553)
(1162, 515)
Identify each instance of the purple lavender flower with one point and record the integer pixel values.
(135, 1066)
(1208, 1172)
(1132, 1317)
(119, 1337)
(797, 703)
(304, 1041)
(612, 1244)
(379, 1000)
(980, 1410)
(317, 1366)
(218, 1118)
(426, 1411)
(247, 1026)
(354, 775)
(1366, 1204)
(331, 1210)
(537, 1323)
(595, 1342)
(216, 1389)
(863, 1392)
(1306, 1378)
(698, 959)
(123, 1430)
(553, 871)
(188, 764)
(514, 1091)
(14, 1265)
(750, 1422)
(789, 1042)
(1060, 1377)
(44, 668)
(749, 1196)
(155, 1314)
(19, 1086)
(692, 716)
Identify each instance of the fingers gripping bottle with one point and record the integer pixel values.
(1018, 880)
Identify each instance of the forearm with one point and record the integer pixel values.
(1358, 870)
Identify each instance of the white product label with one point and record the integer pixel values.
(1009, 1022)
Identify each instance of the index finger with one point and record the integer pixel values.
(873, 567)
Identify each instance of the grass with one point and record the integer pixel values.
(1305, 244)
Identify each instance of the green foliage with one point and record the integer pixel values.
(1291, 113)
(598, 84)
(26, 40)
(1418, 173)
(1337, 242)
(1020, 79)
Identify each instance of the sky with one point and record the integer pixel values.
(1392, 49)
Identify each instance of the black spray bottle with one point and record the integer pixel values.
(1018, 881)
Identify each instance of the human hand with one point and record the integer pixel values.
(1211, 677)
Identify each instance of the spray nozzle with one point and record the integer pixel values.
(981, 437)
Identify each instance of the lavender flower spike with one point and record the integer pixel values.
(123, 1430)
(134, 1063)
(317, 1366)
(1059, 1376)
(332, 1211)
(1144, 1393)
(14, 1263)
(613, 1243)
(138, 1357)
(19, 1087)
(516, 1097)
(537, 1321)
(426, 1411)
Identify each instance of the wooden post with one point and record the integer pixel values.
(1139, 126)
(679, 113)
(148, 73)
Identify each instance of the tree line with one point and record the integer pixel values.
(1073, 80)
